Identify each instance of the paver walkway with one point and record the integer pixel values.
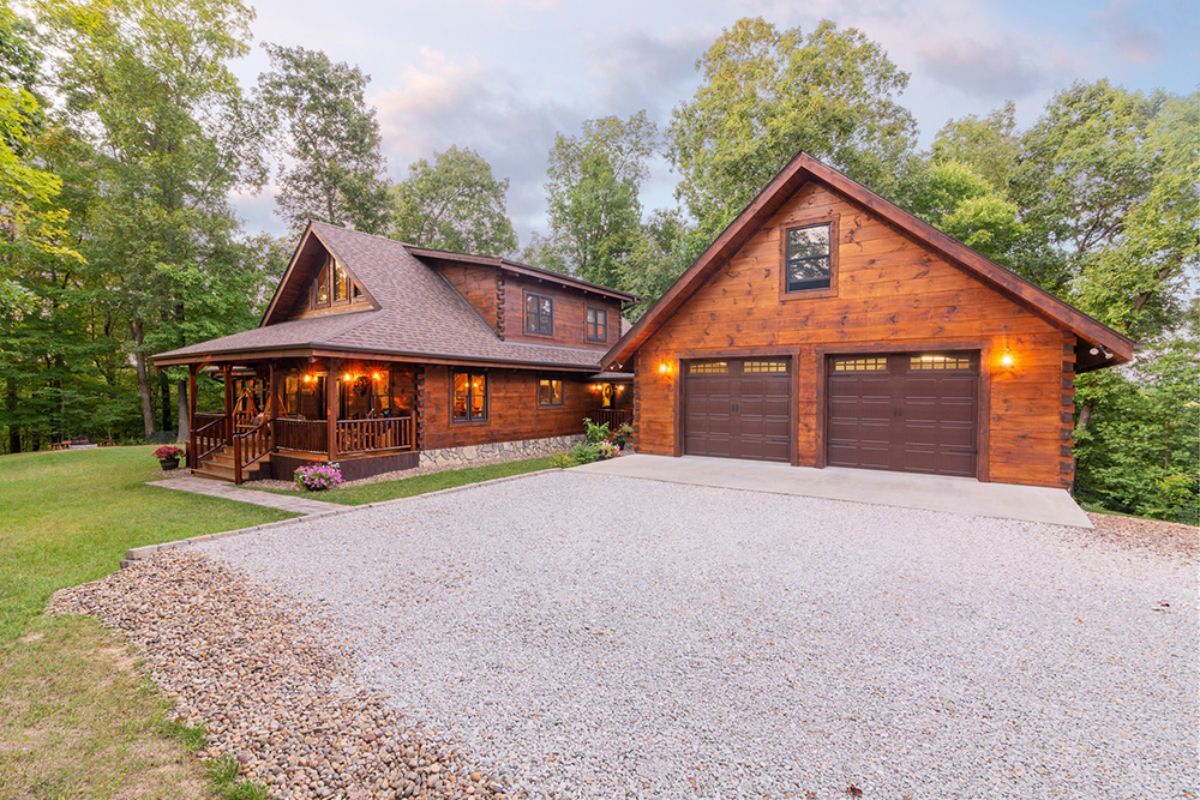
(284, 502)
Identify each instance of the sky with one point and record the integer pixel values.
(502, 77)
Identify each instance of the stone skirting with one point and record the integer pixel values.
(497, 451)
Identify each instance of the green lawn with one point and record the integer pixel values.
(420, 484)
(76, 719)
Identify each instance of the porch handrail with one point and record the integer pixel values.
(305, 435)
(250, 446)
(615, 417)
(376, 433)
(205, 440)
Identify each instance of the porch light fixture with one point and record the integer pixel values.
(308, 378)
(347, 377)
(377, 375)
(1006, 360)
(664, 368)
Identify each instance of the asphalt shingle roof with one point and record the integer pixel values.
(419, 314)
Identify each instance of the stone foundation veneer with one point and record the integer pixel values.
(497, 451)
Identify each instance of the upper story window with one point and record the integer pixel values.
(807, 257)
(597, 324)
(341, 284)
(470, 395)
(539, 314)
(320, 294)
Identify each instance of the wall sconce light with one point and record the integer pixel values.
(377, 375)
(1006, 360)
(308, 378)
(664, 368)
(347, 377)
(620, 388)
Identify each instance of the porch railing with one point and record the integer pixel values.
(249, 446)
(207, 437)
(615, 417)
(304, 435)
(380, 433)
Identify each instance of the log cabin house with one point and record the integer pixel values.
(827, 326)
(380, 356)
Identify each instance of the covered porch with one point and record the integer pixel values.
(280, 413)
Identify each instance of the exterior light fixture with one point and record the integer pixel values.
(377, 375)
(347, 377)
(1006, 360)
(308, 378)
(664, 368)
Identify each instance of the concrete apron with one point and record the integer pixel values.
(903, 489)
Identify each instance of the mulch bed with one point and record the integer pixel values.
(1165, 538)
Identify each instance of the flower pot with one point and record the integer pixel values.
(169, 463)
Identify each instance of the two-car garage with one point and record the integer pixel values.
(910, 412)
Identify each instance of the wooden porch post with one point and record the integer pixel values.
(191, 447)
(331, 407)
(228, 372)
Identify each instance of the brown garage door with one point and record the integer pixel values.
(737, 408)
(913, 412)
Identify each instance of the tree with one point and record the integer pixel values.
(988, 145)
(147, 83)
(666, 247)
(455, 203)
(592, 193)
(333, 167)
(31, 221)
(954, 198)
(767, 94)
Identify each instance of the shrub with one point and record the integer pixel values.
(608, 450)
(585, 453)
(561, 460)
(168, 451)
(595, 433)
(318, 476)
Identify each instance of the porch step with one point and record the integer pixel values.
(219, 466)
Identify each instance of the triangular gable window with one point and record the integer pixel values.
(333, 285)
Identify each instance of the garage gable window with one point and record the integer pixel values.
(807, 257)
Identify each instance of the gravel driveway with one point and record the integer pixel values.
(594, 636)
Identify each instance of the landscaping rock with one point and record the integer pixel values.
(271, 686)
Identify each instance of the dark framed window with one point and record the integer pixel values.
(341, 284)
(807, 257)
(539, 314)
(470, 402)
(550, 392)
(597, 324)
(320, 291)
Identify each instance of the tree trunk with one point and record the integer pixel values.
(164, 401)
(1085, 416)
(10, 406)
(143, 379)
(181, 392)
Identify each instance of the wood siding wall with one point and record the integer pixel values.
(570, 314)
(513, 412)
(478, 284)
(888, 292)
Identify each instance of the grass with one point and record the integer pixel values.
(422, 484)
(76, 718)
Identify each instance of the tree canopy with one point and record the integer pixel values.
(454, 203)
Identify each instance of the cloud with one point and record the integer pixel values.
(640, 69)
(443, 101)
(1129, 38)
(989, 69)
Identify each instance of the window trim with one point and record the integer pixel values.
(487, 400)
(562, 395)
(587, 326)
(831, 290)
(525, 313)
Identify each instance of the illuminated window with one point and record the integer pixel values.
(539, 314)
(470, 395)
(341, 283)
(550, 392)
(597, 325)
(320, 295)
(808, 257)
(708, 367)
(861, 364)
(938, 362)
(764, 366)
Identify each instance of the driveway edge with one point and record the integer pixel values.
(145, 551)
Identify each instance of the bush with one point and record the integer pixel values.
(318, 476)
(561, 460)
(608, 450)
(595, 433)
(585, 453)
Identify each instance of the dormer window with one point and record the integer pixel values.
(333, 285)
(539, 314)
(341, 284)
